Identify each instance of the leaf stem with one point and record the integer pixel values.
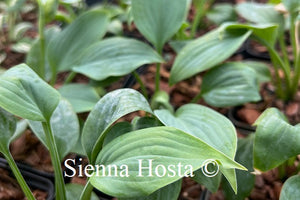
(59, 181)
(201, 10)
(18, 175)
(284, 52)
(139, 80)
(293, 31)
(41, 24)
(297, 59)
(277, 60)
(197, 98)
(70, 77)
(157, 75)
(87, 191)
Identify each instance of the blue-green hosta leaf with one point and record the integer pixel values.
(177, 45)
(264, 32)
(65, 49)
(20, 129)
(230, 84)
(260, 13)
(290, 189)
(158, 20)
(209, 126)
(222, 12)
(205, 52)
(275, 140)
(165, 146)
(125, 127)
(73, 191)
(170, 192)
(216, 46)
(109, 108)
(25, 94)
(82, 97)
(64, 125)
(115, 57)
(262, 70)
(211, 183)
(245, 180)
(292, 5)
(8, 125)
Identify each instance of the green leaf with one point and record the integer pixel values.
(211, 183)
(115, 57)
(260, 13)
(262, 70)
(158, 20)
(264, 32)
(145, 122)
(166, 146)
(117, 130)
(65, 49)
(177, 45)
(82, 97)
(34, 57)
(230, 84)
(291, 5)
(7, 130)
(169, 192)
(221, 12)
(125, 127)
(109, 108)
(200, 54)
(20, 129)
(73, 191)
(209, 126)
(245, 180)
(64, 125)
(290, 189)
(25, 94)
(276, 141)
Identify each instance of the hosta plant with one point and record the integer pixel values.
(276, 143)
(109, 143)
(287, 16)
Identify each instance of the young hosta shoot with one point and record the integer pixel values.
(158, 21)
(7, 132)
(213, 48)
(25, 94)
(276, 140)
(287, 86)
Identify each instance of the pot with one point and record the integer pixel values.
(33, 178)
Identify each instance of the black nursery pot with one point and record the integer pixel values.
(33, 178)
(242, 127)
